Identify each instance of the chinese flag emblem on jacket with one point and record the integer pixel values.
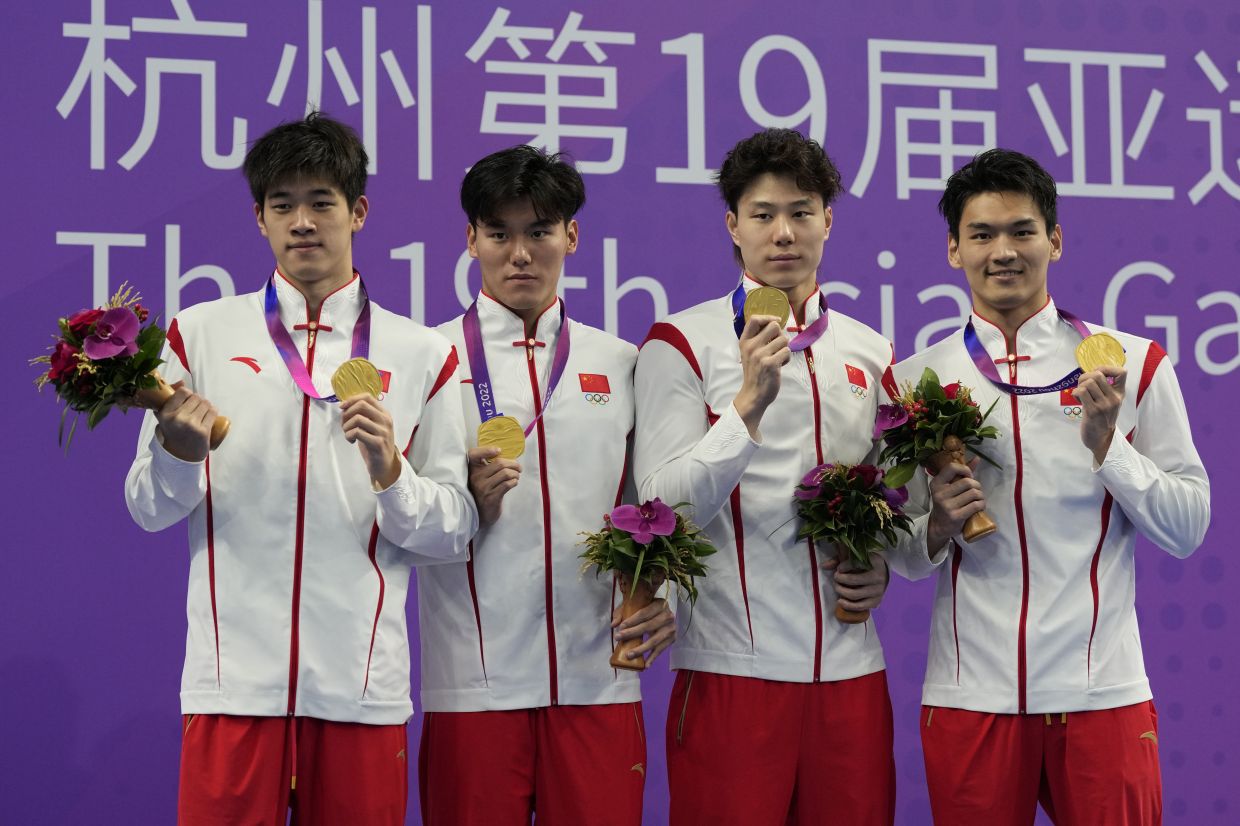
(594, 383)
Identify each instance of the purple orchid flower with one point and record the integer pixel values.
(115, 334)
(896, 497)
(889, 416)
(646, 521)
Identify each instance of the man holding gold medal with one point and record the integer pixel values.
(305, 523)
(525, 717)
(1035, 688)
(780, 712)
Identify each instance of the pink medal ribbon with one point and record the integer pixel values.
(288, 350)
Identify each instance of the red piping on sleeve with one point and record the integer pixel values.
(177, 343)
(445, 373)
(668, 334)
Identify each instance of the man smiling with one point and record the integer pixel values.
(780, 712)
(303, 526)
(1035, 688)
(525, 718)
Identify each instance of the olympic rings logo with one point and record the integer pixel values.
(1073, 412)
(597, 398)
(859, 391)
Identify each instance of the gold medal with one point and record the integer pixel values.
(356, 377)
(505, 433)
(768, 301)
(1099, 350)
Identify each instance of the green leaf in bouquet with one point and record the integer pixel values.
(900, 475)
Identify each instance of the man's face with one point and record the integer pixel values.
(521, 256)
(780, 230)
(310, 227)
(1004, 250)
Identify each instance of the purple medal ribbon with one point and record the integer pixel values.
(475, 352)
(288, 350)
(801, 340)
(986, 365)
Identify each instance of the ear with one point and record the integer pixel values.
(1056, 243)
(731, 222)
(361, 208)
(258, 216)
(953, 252)
(572, 232)
(829, 219)
(471, 240)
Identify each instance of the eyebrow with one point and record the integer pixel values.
(284, 193)
(1022, 222)
(769, 205)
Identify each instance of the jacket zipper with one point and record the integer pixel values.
(546, 507)
(301, 524)
(813, 556)
(1021, 661)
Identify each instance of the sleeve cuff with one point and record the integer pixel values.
(400, 492)
(177, 478)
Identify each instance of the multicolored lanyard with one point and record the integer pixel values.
(986, 365)
(475, 351)
(801, 340)
(288, 350)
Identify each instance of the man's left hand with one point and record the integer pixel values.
(1100, 404)
(655, 620)
(859, 590)
(366, 423)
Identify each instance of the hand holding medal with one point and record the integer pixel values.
(1100, 390)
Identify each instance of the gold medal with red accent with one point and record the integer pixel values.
(505, 433)
(356, 377)
(1099, 350)
(768, 301)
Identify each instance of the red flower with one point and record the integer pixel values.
(63, 361)
(141, 312)
(81, 321)
(868, 474)
(952, 390)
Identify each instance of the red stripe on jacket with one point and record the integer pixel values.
(668, 334)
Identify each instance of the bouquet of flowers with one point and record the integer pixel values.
(931, 425)
(105, 358)
(856, 509)
(645, 545)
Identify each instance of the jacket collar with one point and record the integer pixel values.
(503, 325)
(1037, 335)
(339, 309)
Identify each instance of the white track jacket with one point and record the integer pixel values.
(1039, 616)
(520, 626)
(298, 568)
(765, 608)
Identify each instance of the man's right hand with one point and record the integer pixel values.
(490, 477)
(764, 352)
(955, 496)
(185, 424)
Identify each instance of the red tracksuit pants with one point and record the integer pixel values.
(1086, 768)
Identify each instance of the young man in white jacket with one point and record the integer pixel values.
(1035, 687)
(525, 717)
(305, 522)
(780, 713)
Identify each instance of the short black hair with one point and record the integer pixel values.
(552, 185)
(998, 170)
(314, 147)
(782, 152)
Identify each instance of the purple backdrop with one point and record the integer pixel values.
(1131, 105)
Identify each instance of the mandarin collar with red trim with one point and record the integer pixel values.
(812, 307)
(340, 308)
(502, 324)
(1037, 335)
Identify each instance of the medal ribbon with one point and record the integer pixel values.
(986, 365)
(475, 352)
(802, 339)
(288, 350)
